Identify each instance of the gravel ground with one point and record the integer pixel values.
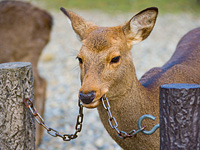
(59, 67)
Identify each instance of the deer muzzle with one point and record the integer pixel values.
(88, 97)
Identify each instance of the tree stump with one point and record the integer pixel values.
(17, 127)
(180, 117)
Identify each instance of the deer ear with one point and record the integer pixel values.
(79, 25)
(140, 26)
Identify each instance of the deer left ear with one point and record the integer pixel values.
(140, 26)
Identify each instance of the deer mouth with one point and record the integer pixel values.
(93, 104)
(91, 99)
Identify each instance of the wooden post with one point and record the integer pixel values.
(17, 127)
(180, 117)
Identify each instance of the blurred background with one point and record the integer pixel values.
(116, 6)
(60, 68)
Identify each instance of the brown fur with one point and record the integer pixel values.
(130, 98)
(24, 32)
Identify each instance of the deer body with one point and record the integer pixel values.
(107, 68)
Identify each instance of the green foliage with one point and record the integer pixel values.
(113, 6)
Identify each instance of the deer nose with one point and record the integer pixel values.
(87, 98)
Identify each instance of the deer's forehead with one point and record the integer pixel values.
(102, 39)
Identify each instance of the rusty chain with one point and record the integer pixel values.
(113, 122)
(66, 137)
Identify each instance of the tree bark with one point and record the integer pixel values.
(17, 125)
(180, 117)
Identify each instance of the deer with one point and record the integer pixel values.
(107, 68)
(24, 32)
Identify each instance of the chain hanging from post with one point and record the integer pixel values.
(66, 137)
(111, 119)
(122, 134)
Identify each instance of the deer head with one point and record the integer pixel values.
(105, 59)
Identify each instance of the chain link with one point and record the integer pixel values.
(66, 137)
(113, 122)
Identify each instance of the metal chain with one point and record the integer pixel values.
(66, 137)
(113, 122)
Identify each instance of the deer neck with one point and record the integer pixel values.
(129, 105)
(127, 108)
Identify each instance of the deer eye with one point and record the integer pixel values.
(79, 59)
(115, 60)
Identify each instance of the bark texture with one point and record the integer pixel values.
(17, 127)
(179, 117)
